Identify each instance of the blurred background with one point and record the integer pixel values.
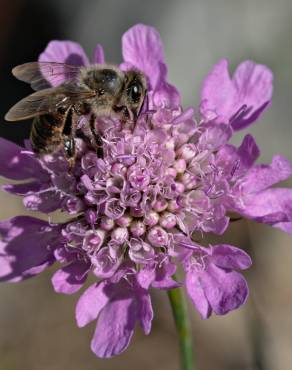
(37, 326)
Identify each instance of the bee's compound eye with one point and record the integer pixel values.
(109, 75)
(134, 92)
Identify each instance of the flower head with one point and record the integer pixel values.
(136, 212)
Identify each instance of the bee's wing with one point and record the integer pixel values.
(47, 101)
(42, 75)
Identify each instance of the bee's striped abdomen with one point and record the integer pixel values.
(46, 132)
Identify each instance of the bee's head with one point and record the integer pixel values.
(132, 96)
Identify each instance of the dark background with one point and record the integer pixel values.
(37, 328)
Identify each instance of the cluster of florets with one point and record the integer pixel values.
(143, 208)
(156, 181)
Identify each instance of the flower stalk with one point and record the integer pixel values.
(180, 313)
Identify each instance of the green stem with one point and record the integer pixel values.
(183, 327)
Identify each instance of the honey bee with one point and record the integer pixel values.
(95, 91)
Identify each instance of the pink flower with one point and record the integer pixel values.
(134, 211)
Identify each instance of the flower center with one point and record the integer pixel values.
(150, 184)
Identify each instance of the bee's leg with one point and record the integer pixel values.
(97, 137)
(99, 144)
(70, 151)
(69, 133)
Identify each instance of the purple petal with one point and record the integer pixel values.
(67, 52)
(64, 182)
(35, 270)
(23, 189)
(229, 257)
(145, 312)
(166, 283)
(263, 176)
(284, 226)
(238, 161)
(239, 101)
(272, 206)
(215, 136)
(254, 85)
(142, 48)
(248, 151)
(104, 264)
(146, 276)
(90, 304)
(123, 302)
(186, 115)
(18, 165)
(126, 268)
(71, 278)
(224, 290)
(115, 327)
(166, 95)
(218, 223)
(98, 56)
(228, 158)
(26, 247)
(45, 201)
(218, 94)
(196, 292)
(163, 279)
(63, 255)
